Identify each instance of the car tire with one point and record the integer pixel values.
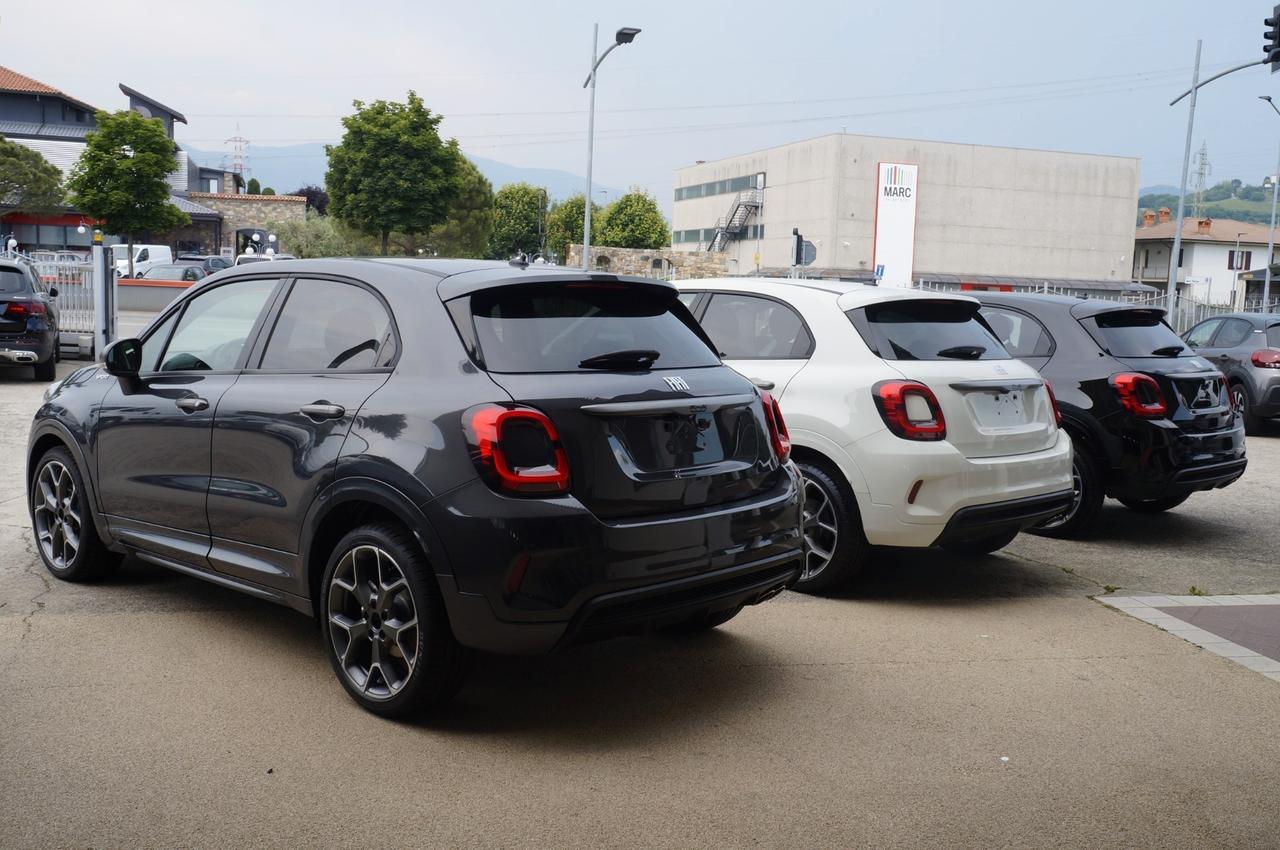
(62, 521)
(385, 628)
(705, 622)
(1240, 398)
(983, 546)
(47, 370)
(1087, 504)
(836, 547)
(1154, 506)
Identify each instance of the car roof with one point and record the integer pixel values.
(1080, 308)
(1257, 319)
(849, 294)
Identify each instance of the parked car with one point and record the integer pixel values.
(175, 271)
(1152, 422)
(144, 257)
(1246, 347)
(209, 262)
(28, 320)
(910, 423)
(427, 456)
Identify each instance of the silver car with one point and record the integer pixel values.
(1246, 347)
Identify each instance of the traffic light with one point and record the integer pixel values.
(1271, 39)
(798, 249)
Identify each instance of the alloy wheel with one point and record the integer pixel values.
(1077, 495)
(820, 532)
(373, 623)
(56, 516)
(1240, 399)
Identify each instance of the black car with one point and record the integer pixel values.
(1151, 422)
(427, 456)
(28, 320)
(209, 262)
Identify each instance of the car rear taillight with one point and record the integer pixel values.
(778, 433)
(517, 449)
(1267, 358)
(1053, 400)
(1140, 394)
(910, 409)
(24, 309)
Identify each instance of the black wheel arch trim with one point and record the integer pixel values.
(56, 429)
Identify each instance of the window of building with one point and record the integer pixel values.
(720, 187)
(1239, 260)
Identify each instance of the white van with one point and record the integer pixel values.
(144, 257)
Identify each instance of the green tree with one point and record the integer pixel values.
(28, 182)
(268, 191)
(564, 225)
(466, 231)
(519, 216)
(121, 177)
(253, 187)
(634, 221)
(314, 236)
(392, 171)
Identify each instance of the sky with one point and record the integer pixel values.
(703, 80)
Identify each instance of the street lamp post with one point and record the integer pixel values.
(625, 35)
(1271, 232)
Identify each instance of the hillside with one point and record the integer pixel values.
(1228, 199)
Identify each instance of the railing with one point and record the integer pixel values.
(75, 294)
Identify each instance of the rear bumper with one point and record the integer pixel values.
(26, 349)
(1158, 460)
(529, 575)
(982, 521)
(1267, 403)
(950, 483)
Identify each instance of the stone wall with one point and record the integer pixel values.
(653, 262)
(257, 211)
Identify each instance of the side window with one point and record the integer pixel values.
(215, 326)
(687, 298)
(1234, 332)
(749, 328)
(153, 345)
(1022, 335)
(327, 325)
(143, 255)
(1199, 336)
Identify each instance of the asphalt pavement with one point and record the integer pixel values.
(946, 702)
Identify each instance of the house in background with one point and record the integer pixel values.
(1216, 256)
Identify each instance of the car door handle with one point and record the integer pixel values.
(323, 410)
(192, 404)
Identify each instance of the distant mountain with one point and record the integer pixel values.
(289, 167)
(1160, 189)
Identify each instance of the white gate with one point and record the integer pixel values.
(77, 313)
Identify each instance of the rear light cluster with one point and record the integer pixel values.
(911, 410)
(1267, 358)
(1053, 400)
(779, 436)
(517, 449)
(24, 309)
(1140, 394)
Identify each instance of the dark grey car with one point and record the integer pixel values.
(1246, 347)
(427, 456)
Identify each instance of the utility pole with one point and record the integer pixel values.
(1172, 291)
(1271, 238)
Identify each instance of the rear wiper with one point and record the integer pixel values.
(963, 352)
(1168, 351)
(636, 358)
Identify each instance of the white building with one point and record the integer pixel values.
(918, 209)
(1211, 259)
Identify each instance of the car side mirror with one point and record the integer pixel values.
(53, 292)
(123, 358)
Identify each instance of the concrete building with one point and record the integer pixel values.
(918, 210)
(1211, 260)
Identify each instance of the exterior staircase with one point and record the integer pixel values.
(745, 204)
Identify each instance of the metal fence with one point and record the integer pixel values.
(73, 280)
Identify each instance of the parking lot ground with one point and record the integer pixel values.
(986, 702)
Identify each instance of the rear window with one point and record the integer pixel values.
(166, 273)
(13, 281)
(1135, 333)
(554, 328)
(927, 329)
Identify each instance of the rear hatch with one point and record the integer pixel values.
(993, 405)
(14, 288)
(650, 420)
(1193, 389)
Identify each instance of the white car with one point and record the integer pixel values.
(910, 422)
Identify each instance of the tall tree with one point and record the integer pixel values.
(121, 177)
(564, 225)
(634, 221)
(253, 187)
(392, 171)
(466, 231)
(317, 198)
(28, 182)
(519, 219)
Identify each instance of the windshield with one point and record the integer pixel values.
(927, 329)
(571, 327)
(13, 282)
(1135, 333)
(166, 273)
